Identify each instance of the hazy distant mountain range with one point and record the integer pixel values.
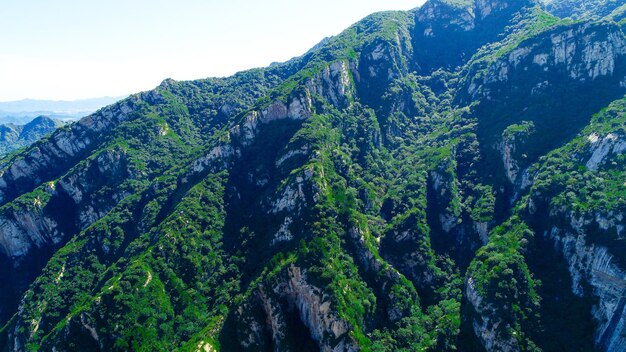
(23, 111)
(13, 137)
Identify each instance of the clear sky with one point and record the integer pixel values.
(74, 49)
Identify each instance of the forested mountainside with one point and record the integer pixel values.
(13, 137)
(447, 178)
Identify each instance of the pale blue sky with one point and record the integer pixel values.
(73, 49)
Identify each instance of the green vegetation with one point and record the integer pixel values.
(375, 213)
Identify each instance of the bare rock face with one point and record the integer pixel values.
(593, 264)
(444, 186)
(601, 147)
(581, 52)
(316, 314)
(38, 224)
(488, 327)
(292, 197)
(513, 143)
(224, 154)
(482, 229)
(284, 233)
(334, 83)
(291, 293)
(462, 15)
(484, 8)
(26, 229)
(598, 56)
(295, 109)
(467, 23)
(511, 168)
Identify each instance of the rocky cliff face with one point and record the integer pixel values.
(30, 225)
(293, 295)
(601, 148)
(514, 143)
(582, 52)
(493, 332)
(593, 265)
(465, 25)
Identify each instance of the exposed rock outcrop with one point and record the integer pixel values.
(40, 224)
(490, 329)
(334, 83)
(445, 189)
(296, 109)
(601, 147)
(592, 264)
(312, 307)
(582, 52)
(513, 145)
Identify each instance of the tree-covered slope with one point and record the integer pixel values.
(448, 178)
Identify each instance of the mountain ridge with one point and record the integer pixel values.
(369, 195)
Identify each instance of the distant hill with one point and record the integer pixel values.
(13, 137)
(22, 111)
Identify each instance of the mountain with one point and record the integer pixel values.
(449, 178)
(13, 137)
(22, 111)
(595, 9)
